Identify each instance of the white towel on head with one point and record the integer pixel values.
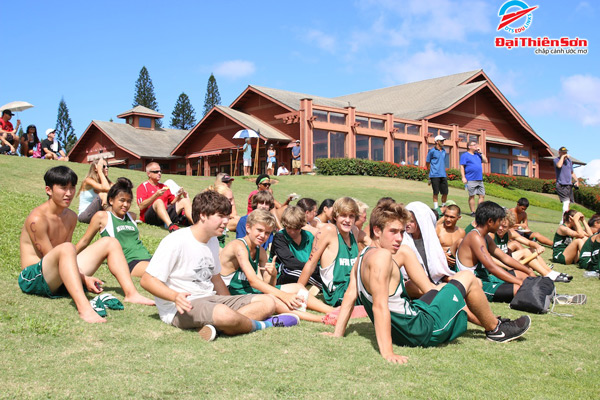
(436, 259)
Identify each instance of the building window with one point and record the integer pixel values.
(499, 150)
(533, 160)
(474, 138)
(337, 118)
(499, 165)
(321, 116)
(446, 134)
(448, 151)
(520, 152)
(377, 145)
(364, 122)
(463, 137)
(412, 152)
(362, 146)
(320, 143)
(520, 168)
(337, 144)
(377, 124)
(401, 126)
(145, 122)
(412, 129)
(400, 152)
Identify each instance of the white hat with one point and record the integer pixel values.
(49, 131)
(439, 137)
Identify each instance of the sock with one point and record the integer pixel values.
(566, 206)
(435, 204)
(496, 328)
(258, 325)
(444, 204)
(553, 275)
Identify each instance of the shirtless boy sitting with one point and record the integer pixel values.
(245, 270)
(522, 226)
(475, 254)
(449, 234)
(336, 247)
(436, 317)
(49, 260)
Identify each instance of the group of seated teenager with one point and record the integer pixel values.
(418, 280)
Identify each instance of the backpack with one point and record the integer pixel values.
(37, 151)
(534, 296)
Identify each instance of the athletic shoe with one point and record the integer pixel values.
(473, 214)
(173, 228)
(562, 278)
(510, 330)
(208, 333)
(283, 320)
(567, 299)
(569, 277)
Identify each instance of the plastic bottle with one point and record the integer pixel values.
(591, 274)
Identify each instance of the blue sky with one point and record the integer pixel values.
(91, 53)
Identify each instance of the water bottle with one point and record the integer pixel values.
(590, 274)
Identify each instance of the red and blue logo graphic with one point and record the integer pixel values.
(513, 11)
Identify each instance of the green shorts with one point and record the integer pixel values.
(490, 285)
(246, 289)
(335, 298)
(449, 317)
(559, 258)
(31, 281)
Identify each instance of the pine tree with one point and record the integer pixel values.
(144, 93)
(213, 97)
(65, 134)
(184, 115)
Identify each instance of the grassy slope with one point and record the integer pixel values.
(47, 351)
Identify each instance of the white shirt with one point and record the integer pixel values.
(282, 171)
(185, 265)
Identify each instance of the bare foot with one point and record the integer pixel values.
(139, 299)
(91, 316)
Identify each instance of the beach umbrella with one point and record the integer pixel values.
(245, 133)
(16, 106)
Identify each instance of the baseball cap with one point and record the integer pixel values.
(450, 203)
(49, 131)
(297, 141)
(226, 178)
(8, 112)
(563, 149)
(439, 137)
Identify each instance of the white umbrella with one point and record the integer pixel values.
(245, 133)
(16, 106)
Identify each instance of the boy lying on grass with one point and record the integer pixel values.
(49, 261)
(245, 270)
(184, 276)
(436, 317)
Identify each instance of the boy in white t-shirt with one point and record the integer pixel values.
(184, 276)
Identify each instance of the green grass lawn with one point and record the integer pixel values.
(48, 352)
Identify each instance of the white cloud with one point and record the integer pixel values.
(578, 98)
(234, 69)
(429, 63)
(591, 172)
(321, 40)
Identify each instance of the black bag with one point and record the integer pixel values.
(534, 296)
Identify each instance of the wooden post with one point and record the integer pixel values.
(256, 156)
(237, 152)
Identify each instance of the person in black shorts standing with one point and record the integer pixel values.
(436, 163)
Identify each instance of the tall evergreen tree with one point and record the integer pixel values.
(144, 93)
(213, 97)
(65, 134)
(184, 115)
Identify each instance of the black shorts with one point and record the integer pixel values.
(439, 185)
(133, 263)
(152, 218)
(565, 192)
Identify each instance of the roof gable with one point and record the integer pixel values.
(141, 110)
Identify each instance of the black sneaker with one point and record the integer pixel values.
(510, 330)
(562, 278)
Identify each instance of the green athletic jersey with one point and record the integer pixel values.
(237, 282)
(560, 244)
(126, 232)
(502, 242)
(590, 254)
(416, 323)
(469, 228)
(337, 275)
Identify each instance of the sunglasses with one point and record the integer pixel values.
(105, 167)
(156, 172)
(265, 184)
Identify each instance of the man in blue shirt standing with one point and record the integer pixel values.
(247, 149)
(296, 165)
(471, 172)
(563, 166)
(436, 163)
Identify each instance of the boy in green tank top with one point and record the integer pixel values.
(588, 256)
(336, 247)
(570, 237)
(435, 318)
(245, 270)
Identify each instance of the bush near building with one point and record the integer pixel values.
(587, 196)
